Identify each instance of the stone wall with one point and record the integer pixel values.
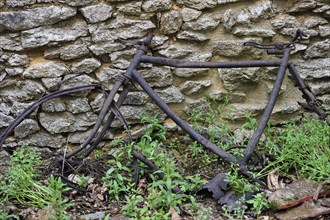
(45, 41)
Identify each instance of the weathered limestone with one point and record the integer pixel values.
(319, 49)
(199, 5)
(257, 32)
(5, 120)
(18, 60)
(23, 20)
(97, 13)
(19, 3)
(314, 21)
(234, 78)
(25, 128)
(170, 95)
(43, 139)
(54, 105)
(66, 121)
(287, 21)
(176, 51)
(86, 66)
(229, 19)
(203, 23)
(300, 6)
(194, 87)
(189, 35)
(254, 12)
(119, 28)
(235, 48)
(75, 80)
(314, 69)
(73, 105)
(46, 70)
(170, 22)
(105, 48)
(130, 8)
(189, 14)
(224, 96)
(107, 76)
(78, 2)
(158, 76)
(42, 36)
(136, 98)
(73, 52)
(11, 42)
(156, 5)
(324, 30)
(187, 73)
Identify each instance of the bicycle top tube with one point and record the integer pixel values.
(272, 48)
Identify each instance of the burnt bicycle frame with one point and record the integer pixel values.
(125, 81)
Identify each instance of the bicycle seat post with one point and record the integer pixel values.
(142, 50)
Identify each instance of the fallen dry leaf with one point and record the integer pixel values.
(274, 182)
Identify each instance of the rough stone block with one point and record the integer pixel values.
(27, 19)
(194, 87)
(130, 8)
(25, 128)
(78, 2)
(234, 78)
(314, 69)
(11, 42)
(46, 70)
(170, 95)
(18, 60)
(189, 14)
(319, 49)
(300, 6)
(86, 66)
(156, 5)
(203, 23)
(193, 36)
(197, 4)
(97, 13)
(56, 123)
(170, 22)
(61, 32)
(158, 76)
(5, 120)
(120, 28)
(235, 48)
(19, 3)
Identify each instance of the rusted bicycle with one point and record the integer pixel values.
(124, 82)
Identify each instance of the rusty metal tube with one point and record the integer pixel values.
(169, 112)
(268, 109)
(307, 93)
(42, 100)
(191, 64)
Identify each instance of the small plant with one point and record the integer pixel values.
(56, 202)
(259, 203)
(302, 148)
(20, 185)
(158, 201)
(6, 216)
(117, 178)
(238, 183)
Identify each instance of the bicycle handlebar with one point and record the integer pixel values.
(275, 48)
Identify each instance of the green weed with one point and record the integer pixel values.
(158, 201)
(302, 149)
(20, 185)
